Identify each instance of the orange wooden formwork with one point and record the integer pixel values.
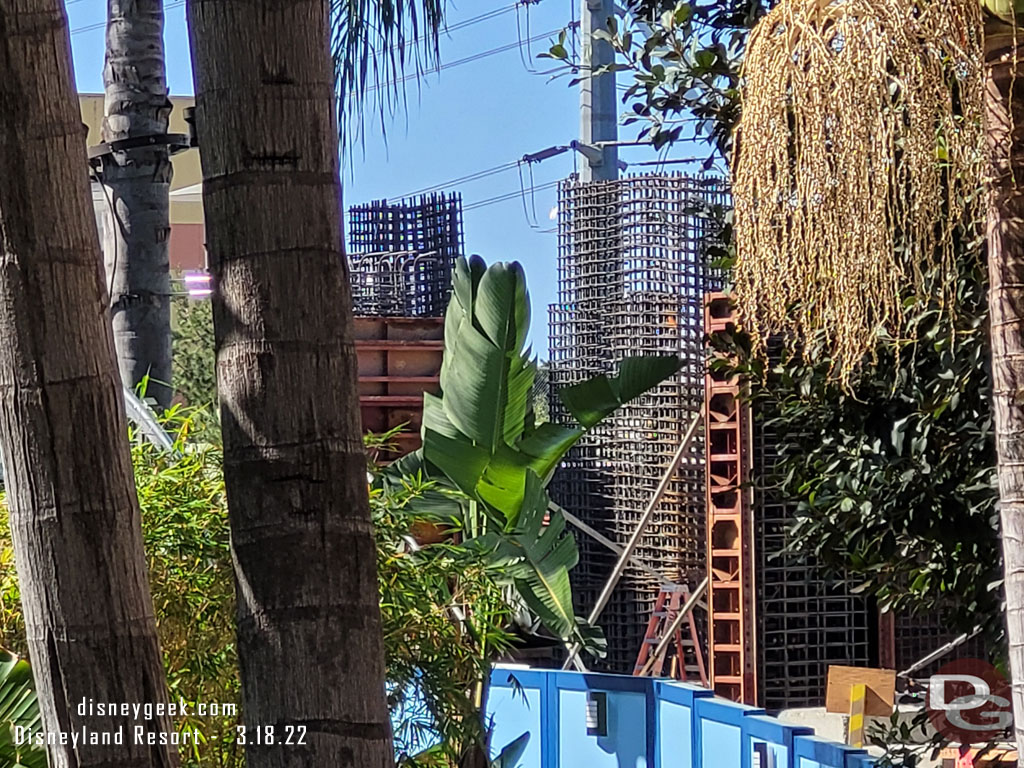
(399, 360)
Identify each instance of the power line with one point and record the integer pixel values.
(422, 39)
(469, 22)
(460, 180)
(489, 15)
(461, 62)
(529, 159)
(519, 34)
(103, 24)
(510, 195)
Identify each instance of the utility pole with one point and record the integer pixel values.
(599, 120)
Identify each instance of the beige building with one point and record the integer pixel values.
(187, 250)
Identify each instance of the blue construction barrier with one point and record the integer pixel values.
(638, 722)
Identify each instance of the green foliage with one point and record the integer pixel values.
(18, 707)
(896, 478)
(12, 623)
(538, 558)
(481, 434)
(184, 522)
(684, 59)
(187, 538)
(195, 369)
(444, 616)
(512, 752)
(443, 608)
(374, 42)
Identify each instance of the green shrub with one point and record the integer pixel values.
(445, 620)
(194, 372)
(435, 659)
(184, 521)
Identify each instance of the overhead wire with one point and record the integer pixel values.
(103, 24)
(524, 60)
(573, 31)
(460, 180)
(509, 196)
(460, 62)
(422, 39)
(471, 21)
(529, 215)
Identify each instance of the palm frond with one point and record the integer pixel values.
(375, 45)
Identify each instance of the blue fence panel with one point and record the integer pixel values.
(626, 741)
(649, 724)
(860, 761)
(719, 732)
(673, 722)
(812, 752)
(516, 704)
(777, 738)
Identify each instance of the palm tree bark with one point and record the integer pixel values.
(137, 185)
(1004, 112)
(73, 509)
(309, 633)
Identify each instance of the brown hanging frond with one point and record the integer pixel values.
(858, 155)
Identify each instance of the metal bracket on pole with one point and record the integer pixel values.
(591, 152)
(634, 539)
(176, 142)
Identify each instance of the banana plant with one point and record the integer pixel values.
(18, 707)
(480, 434)
(511, 755)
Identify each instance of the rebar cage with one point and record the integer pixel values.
(401, 255)
(808, 618)
(632, 271)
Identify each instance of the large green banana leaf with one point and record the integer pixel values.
(18, 706)
(481, 437)
(480, 432)
(538, 558)
(512, 753)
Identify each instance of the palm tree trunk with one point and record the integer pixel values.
(137, 183)
(1004, 104)
(74, 513)
(309, 634)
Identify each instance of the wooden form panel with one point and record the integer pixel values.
(732, 652)
(399, 360)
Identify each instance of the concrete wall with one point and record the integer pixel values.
(650, 724)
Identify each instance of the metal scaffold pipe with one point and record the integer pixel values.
(634, 539)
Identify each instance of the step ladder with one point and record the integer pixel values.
(670, 601)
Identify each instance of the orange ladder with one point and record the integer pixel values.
(671, 600)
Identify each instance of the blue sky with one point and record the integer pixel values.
(459, 121)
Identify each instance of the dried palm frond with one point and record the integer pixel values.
(858, 157)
